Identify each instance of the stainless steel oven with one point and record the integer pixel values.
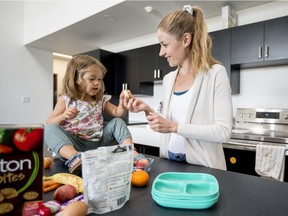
(252, 127)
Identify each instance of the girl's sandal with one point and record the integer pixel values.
(74, 164)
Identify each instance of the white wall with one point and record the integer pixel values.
(24, 71)
(45, 17)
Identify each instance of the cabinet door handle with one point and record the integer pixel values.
(124, 86)
(266, 51)
(155, 74)
(260, 52)
(158, 74)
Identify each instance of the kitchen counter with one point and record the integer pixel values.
(240, 194)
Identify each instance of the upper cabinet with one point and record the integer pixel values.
(221, 51)
(276, 39)
(113, 77)
(260, 42)
(129, 65)
(152, 66)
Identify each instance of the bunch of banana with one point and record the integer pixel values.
(67, 178)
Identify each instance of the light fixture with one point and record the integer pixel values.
(149, 9)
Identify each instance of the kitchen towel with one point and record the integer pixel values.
(270, 160)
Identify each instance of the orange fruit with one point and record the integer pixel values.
(139, 178)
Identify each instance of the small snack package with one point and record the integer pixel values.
(21, 168)
(106, 173)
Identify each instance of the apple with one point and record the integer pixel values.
(142, 162)
(65, 193)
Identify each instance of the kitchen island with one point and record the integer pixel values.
(240, 194)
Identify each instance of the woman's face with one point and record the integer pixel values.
(171, 48)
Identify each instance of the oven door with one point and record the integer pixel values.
(240, 157)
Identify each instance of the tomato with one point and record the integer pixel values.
(5, 149)
(28, 139)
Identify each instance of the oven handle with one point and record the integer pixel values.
(240, 146)
(245, 146)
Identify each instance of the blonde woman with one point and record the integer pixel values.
(197, 107)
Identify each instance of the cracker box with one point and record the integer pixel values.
(21, 168)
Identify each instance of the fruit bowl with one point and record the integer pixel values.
(146, 168)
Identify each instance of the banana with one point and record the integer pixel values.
(67, 178)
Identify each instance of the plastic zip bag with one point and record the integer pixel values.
(106, 173)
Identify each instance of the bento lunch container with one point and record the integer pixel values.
(185, 204)
(185, 190)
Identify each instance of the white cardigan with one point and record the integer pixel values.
(208, 122)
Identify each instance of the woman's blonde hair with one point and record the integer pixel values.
(73, 84)
(179, 22)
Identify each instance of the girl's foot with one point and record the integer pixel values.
(74, 164)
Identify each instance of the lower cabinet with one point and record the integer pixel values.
(243, 161)
(147, 150)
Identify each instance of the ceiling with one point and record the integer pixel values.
(124, 21)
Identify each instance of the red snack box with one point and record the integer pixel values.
(21, 167)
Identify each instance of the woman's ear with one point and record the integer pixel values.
(187, 38)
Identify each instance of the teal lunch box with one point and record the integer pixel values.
(185, 190)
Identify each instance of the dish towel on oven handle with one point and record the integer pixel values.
(270, 160)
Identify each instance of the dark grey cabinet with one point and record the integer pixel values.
(113, 77)
(276, 39)
(129, 65)
(260, 42)
(247, 43)
(221, 51)
(152, 66)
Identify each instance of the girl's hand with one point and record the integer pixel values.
(125, 97)
(70, 112)
(159, 124)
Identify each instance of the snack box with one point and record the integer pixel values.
(21, 168)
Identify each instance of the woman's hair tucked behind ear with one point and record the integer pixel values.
(178, 23)
(73, 85)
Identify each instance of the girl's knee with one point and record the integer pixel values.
(117, 121)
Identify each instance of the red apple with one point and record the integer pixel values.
(142, 162)
(65, 193)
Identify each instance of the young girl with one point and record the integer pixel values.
(76, 123)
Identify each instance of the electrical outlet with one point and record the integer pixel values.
(25, 99)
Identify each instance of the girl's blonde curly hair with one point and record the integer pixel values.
(73, 84)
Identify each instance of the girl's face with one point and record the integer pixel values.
(93, 79)
(171, 48)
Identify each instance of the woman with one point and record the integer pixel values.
(197, 107)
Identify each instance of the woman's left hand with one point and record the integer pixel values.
(159, 124)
